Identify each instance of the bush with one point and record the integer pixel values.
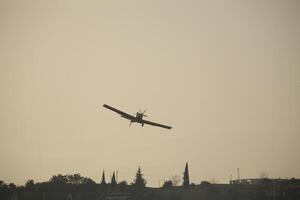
(167, 184)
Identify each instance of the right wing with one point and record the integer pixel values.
(123, 114)
(156, 124)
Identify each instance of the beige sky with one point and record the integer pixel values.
(224, 74)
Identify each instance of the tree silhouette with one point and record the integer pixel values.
(186, 178)
(87, 181)
(139, 181)
(168, 184)
(122, 186)
(29, 184)
(58, 179)
(75, 179)
(3, 184)
(113, 183)
(103, 182)
(12, 186)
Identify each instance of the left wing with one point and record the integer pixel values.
(155, 124)
(123, 114)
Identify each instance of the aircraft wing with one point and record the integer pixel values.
(156, 124)
(123, 114)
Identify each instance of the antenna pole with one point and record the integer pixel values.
(117, 175)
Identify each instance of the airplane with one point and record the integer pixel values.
(138, 118)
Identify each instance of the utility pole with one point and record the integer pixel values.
(117, 176)
(274, 190)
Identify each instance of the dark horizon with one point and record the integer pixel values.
(83, 188)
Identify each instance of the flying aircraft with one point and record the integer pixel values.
(138, 118)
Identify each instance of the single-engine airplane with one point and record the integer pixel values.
(138, 118)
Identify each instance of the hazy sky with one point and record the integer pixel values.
(224, 74)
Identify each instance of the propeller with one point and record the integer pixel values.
(143, 113)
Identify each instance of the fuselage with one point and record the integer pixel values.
(138, 118)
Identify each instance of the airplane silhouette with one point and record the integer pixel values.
(138, 118)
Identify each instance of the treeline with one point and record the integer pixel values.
(75, 186)
(72, 186)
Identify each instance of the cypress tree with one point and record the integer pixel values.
(103, 182)
(186, 178)
(113, 183)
